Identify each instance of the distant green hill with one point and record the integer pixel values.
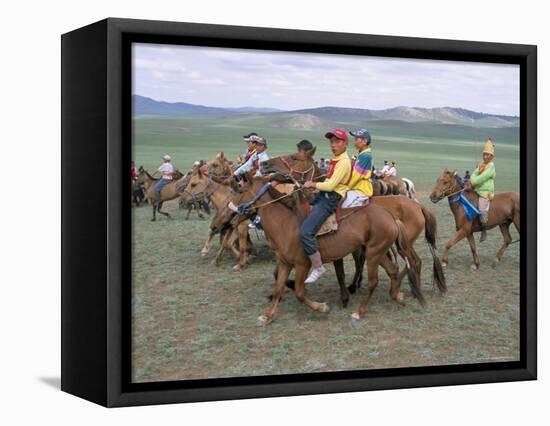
(318, 118)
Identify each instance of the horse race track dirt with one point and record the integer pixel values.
(192, 320)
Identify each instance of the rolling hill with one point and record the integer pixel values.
(322, 117)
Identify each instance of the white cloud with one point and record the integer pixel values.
(230, 77)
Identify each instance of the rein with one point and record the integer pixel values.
(195, 195)
(243, 208)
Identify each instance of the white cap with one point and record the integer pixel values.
(197, 163)
(167, 157)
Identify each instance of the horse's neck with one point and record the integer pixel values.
(220, 195)
(148, 182)
(275, 217)
(455, 207)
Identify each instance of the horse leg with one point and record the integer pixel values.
(189, 208)
(505, 230)
(341, 277)
(161, 212)
(372, 272)
(395, 284)
(154, 213)
(459, 235)
(472, 241)
(283, 270)
(300, 290)
(242, 230)
(516, 220)
(224, 238)
(207, 244)
(359, 259)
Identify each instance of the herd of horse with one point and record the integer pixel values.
(385, 228)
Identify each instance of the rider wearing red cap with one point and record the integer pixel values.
(326, 200)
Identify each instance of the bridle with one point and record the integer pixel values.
(303, 174)
(457, 182)
(195, 195)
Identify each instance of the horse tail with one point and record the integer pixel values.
(430, 232)
(407, 253)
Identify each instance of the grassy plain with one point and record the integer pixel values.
(192, 320)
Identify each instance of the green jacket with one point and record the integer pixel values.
(484, 183)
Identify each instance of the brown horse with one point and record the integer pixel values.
(504, 210)
(369, 226)
(202, 186)
(169, 192)
(414, 216)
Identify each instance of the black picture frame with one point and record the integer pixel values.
(95, 288)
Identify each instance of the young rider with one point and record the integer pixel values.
(360, 186)
(482, 182)
(254, 164)
(384, 172)
(258, 156)
(166, 169)
(250, 147)
(326, 200)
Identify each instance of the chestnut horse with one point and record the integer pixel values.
(370, 226)
(203, 186)
(414, 216)
(504, 210)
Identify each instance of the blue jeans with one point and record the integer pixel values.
(158, 187)
(324, 204)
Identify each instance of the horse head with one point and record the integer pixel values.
(298, 167)
(220, 166)
(447, 184)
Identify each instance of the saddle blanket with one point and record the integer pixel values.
(353, 199)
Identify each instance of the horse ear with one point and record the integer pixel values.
(454, 173)
(311, 152)
(222, 156)
(199, 171)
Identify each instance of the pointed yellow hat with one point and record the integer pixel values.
(489, 148)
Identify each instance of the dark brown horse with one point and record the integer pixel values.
(414, 216)
(169, 192)
(369, 226)
(504, 210)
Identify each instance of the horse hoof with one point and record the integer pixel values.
(474, 267)
(237, 268)
(356, 316)
(323, 307)
(400, 298)
(204, 253)
(444, 264)
(263, 320)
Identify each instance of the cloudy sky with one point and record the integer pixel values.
(236, 77)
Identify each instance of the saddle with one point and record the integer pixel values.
(331, 223)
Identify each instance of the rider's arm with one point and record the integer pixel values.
(245, 167)
(338, 176)
(479, 178)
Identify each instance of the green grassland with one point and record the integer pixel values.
(192, 320)
(421, 150)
